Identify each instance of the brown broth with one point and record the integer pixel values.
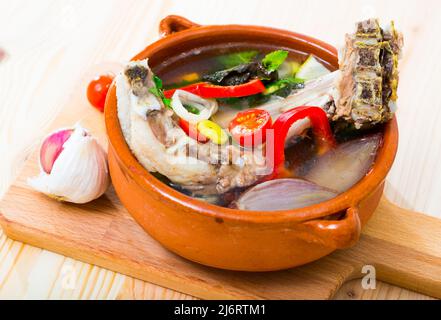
(205, 61)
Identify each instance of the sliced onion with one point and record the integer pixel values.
(206, 107)
(283, 194)
(342, 167)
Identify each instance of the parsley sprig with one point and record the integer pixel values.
(158, 91)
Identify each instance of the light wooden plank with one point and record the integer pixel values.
(352, 290)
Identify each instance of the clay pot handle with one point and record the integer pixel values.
(172, 24)
(337, 234)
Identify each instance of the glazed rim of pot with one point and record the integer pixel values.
(342, 202)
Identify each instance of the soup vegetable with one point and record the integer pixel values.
(262, 129)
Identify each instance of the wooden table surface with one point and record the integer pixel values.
(48, 46)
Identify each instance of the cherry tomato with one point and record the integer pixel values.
(97, 91)
(192, 131)
(249, 127)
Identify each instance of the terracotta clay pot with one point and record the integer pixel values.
(234, 239)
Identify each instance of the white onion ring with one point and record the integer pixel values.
(206, 107)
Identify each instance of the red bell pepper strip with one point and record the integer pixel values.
(192, 88)
(320, 127)
(208, 90)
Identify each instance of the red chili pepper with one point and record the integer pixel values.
(208, 90)
(320, 127)
(192, 131)
(249, 127)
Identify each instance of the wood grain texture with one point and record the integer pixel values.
(71, 40)
(399, 244)
(352, 290)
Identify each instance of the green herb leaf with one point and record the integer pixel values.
(290, 80)
(273, 60)
(234, 59)
(158, 82)
(158, 92)
(167, 102)
(155, 92)
(192, 109)
(286, 85)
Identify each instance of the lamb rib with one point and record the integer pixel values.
(369, 75)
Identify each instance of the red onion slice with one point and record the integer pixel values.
(342, 167)
(283, 194)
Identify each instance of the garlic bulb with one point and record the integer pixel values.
(73, 167)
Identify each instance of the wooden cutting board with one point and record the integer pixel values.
(403, 246)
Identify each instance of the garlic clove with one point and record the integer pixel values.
(52, 147)
(79, 173)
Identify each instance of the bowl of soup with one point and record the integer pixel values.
(320, 189)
